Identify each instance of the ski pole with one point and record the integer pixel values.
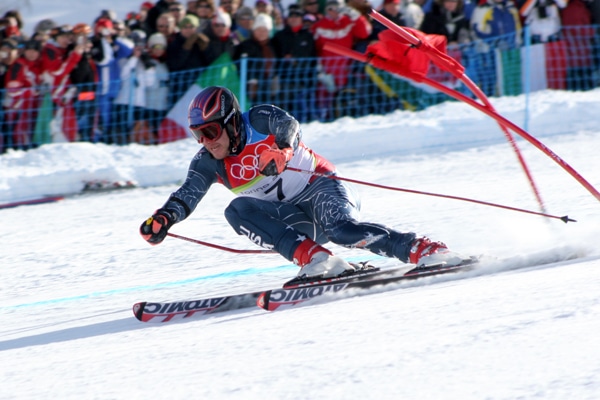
(565, 218)
(216, 246)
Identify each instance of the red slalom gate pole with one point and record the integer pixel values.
(565, 218)
(219, 247)
(472, 87)
(380, 63)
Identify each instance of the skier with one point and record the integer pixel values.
(290, 212)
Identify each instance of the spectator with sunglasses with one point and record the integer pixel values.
(205, 10)
(177, 11)
(286, 211)
(191, 7)
(166, 25)
(244, 18)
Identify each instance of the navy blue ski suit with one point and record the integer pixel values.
(278, 212)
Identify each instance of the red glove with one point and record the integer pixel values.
(154, 229)
(274, 160)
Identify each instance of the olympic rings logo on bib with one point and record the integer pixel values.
(247, 169)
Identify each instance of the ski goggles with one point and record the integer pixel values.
(209, 132)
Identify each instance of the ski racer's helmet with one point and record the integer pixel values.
(213, 111)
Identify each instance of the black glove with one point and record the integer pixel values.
(154, 229)
(146, 60)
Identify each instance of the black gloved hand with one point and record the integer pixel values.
(154, 229)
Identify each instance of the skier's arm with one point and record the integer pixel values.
(286, 130)
(201, 175)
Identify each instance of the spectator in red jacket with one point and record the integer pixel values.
(58, 60)
(14, 24)
(9, 53)
(22, 94)
(57, 64)
(343, 26)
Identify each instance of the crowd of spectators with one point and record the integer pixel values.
(114, 79)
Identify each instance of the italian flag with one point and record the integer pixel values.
(547, 68)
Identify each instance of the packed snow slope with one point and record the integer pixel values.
(71, 270)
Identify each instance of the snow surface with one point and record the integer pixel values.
(71, 271)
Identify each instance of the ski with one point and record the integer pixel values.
(295, 293)
(165, 312)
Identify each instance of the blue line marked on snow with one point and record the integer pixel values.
(182, 282)
(249, 271)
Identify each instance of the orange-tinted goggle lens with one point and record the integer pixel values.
(208, 132)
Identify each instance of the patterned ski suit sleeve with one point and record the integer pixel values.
(202, 173)
(271, 120)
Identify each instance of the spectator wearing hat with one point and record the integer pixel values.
(308, 20)
(244, 18)
(84, 78)
(185, 54)
(131, 94)
(219, 37)
(296, 56)
(9, 54)
(160, 7)
(139, 20)
(191, 7)
(391, 10)
(261, 59)
(59, 58)
(157, 90)
(342, 26)
(205, 10)
(146, 6)
(56, 62)
(107, 52)
(266, 7)
(144, 78)
(311, 9)
(230, 7)
(43, 30)
(110, 15)
(412, 13)
(176, 9)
